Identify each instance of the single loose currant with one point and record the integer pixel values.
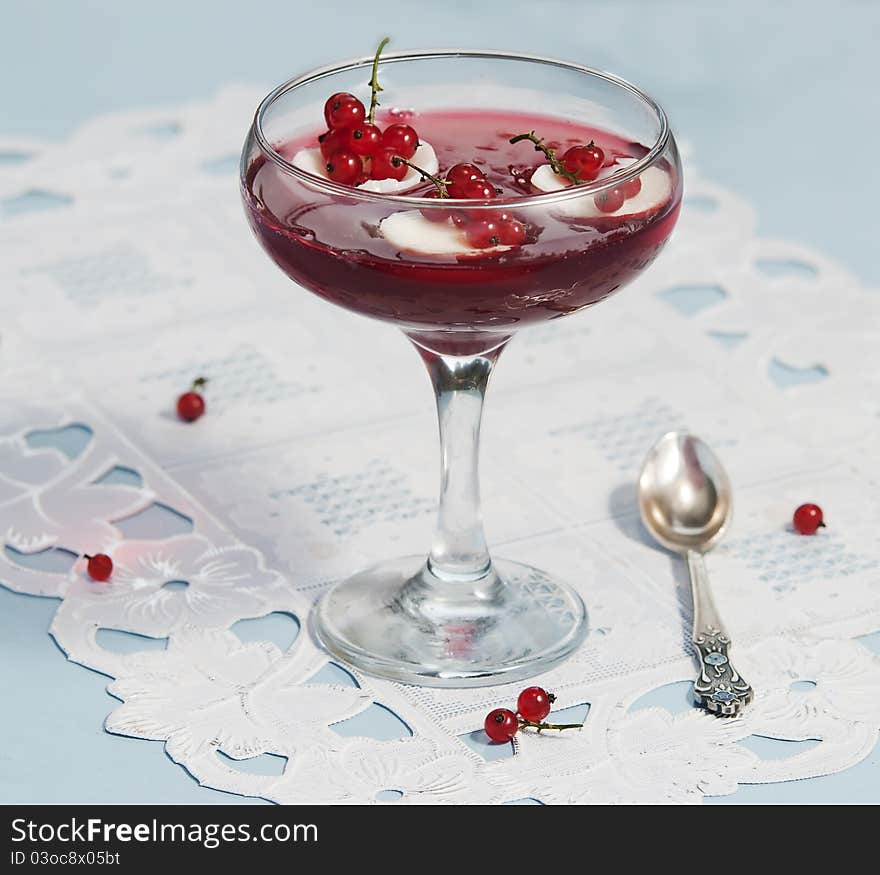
(191, 405)
(808, 519)
(534, 703)
(99, 566)
(501, 725)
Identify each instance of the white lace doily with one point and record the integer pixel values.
(128, 269)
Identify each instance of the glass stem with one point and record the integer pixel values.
(459, 551)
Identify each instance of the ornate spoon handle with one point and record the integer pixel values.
(719, 687)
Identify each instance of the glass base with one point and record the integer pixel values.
(399, 621)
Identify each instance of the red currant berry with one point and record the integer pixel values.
(501, 725)
(584, 161)
(511, 232)
(483, 233)
(433, 214)
(609, 201)
(461, 173)
(460, 219)
(598, 156)
(100, 566)
(343, 110)
(534, 704)
(808, 519)
(632, 188)
(476, 189)
(385, 164)
(344, 166)
(363, 139)
(402, 138)
(190, 406)
(500, 216)
(332, 141)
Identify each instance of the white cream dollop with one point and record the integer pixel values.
(313, 162)
(655, 191)
(410, 231)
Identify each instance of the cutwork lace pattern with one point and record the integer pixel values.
(127, 270)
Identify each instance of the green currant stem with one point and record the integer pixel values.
(523, 724)
(199, 383)
(439, 183)
(555, 163)
(375, 87)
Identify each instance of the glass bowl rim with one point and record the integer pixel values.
(571, 192)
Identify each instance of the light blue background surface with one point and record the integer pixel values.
(779, 100)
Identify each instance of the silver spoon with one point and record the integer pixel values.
(685, 502)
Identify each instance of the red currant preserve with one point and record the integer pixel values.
(555, 262)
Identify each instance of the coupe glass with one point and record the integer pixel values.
(457, 618)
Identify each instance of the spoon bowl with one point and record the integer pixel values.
(685, 497)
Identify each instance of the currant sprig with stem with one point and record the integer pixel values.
(555, 163)
(439, 183)
(532, 709)
(191, 404)
(375, 87)
(529, 724)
